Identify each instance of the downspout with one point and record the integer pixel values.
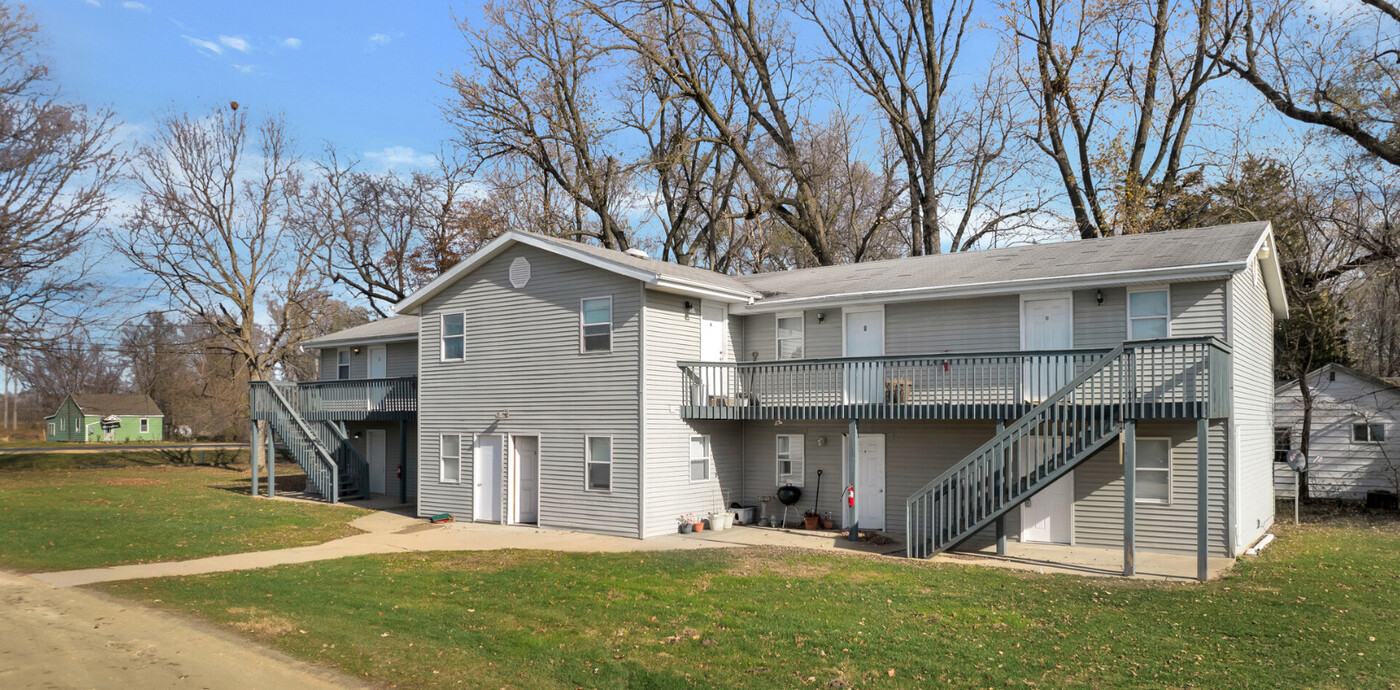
(642, 409)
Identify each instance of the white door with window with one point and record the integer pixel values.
(486, 478)
(1048, 517)
(1046, 324)
(870, 481)
(375, 449)
(864, 337)
(714, 347)
(526, 484)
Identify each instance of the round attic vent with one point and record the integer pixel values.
(519, 272)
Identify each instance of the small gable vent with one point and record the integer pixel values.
(519, 272)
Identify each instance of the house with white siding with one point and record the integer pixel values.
(1352, 448)
(1114, 392)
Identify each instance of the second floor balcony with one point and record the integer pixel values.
(351, 400)
(1181, 378)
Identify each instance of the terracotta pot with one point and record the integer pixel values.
(828, 523)
(811, 521)
(700, 526)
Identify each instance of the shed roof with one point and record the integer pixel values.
(391, 329)
(123, 405)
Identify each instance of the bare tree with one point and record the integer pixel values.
(530, 94)
(57, 164)
(73, 364)
(1115, 87)
(211, 229)
(1336, 65)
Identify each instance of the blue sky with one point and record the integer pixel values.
(364, 75)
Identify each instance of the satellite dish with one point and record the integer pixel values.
(1297, 460)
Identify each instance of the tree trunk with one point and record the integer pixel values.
(1305, 392)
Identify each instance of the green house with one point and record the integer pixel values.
(106, 418)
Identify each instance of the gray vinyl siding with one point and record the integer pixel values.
(1252, 416)
(977, 324)
(1098, 495)
(1198, 309)
(1100, 325)
(391, 452)
(1338, 466)
(402, 361)
(672, 336)
(522, 355)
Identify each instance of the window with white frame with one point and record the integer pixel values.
(342, 364)
(791, 459)
(145, 426)
(454, 337)
(51, 429)
(790, 340)
(1154, 470)
(1364, 432)
(699, 458)
(1283, 442)
(595, 324)
(598, 462)
(1148, 315)
(450, 459)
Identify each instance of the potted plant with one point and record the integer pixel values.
(687, 523)
(700, 526)
(812, 520)
(827, 522)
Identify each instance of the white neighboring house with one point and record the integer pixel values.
(1355, 439)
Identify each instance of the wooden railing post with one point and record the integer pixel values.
(1129, 496)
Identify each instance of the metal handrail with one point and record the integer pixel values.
(306, 447)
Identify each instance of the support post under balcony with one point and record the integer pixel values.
(403, 461)
(852, 453)
(1129, 496)
(271, 465)
(1001, 519)
(253, 458)
(1202, 499)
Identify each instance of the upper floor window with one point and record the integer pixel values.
(342, 364)
(1148, 315)
(1368, 433)
(454, 338)
(595, 324)
(790, 340)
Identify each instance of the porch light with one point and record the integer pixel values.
(689, 308)
(821, 441)
(821, 317)
(1098, 297)
(503, 414)
(356, 350)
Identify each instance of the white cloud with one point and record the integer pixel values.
(237, 43)
(292, 43)
(380, 39)
(246, 69)
(204, 45)
(394, 157)
(130, 5)
(94, 3)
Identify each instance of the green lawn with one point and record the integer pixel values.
(1319, 609)
(61, 511)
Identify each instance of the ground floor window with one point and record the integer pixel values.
(145, 426)
(1368, 433)
(699, 458)
(791, 458)
(1154, 470)
(450, 458)
(1283, 442)
(51, 429)
(598, 462)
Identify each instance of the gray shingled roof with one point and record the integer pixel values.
(392, 328)
(103, 404)
(664, 269)
(1162, 250)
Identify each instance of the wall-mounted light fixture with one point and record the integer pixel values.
(357, 435)
(689, 307)
(821, 317)
(503, 414)
(821, 440)
(356, 350)
(1098, 296)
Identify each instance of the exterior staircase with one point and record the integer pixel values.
(334, 467)
(1031, 453)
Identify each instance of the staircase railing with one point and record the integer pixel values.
(301, 441)
(355, 468)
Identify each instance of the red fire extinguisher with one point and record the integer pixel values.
(851, 496)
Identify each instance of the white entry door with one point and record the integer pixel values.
(870, 482)
(864, 337)
(1049, 516)
(486, 477)
(378, 362)
(375, 453)
(1047, 324)
(714, 344)
(526, 482)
